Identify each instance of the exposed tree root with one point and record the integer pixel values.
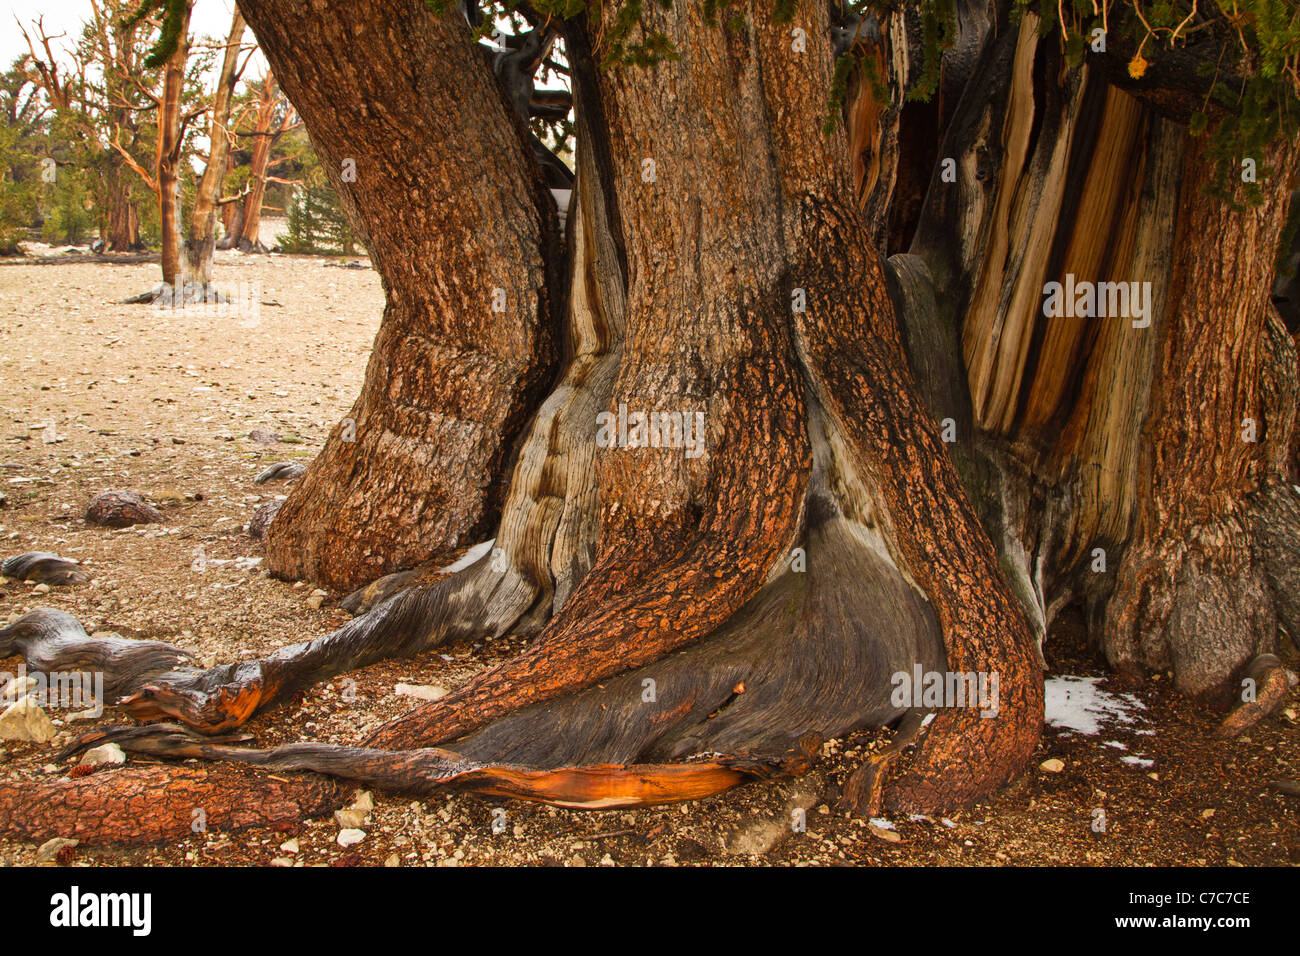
(864, 794)
(43, 567)
(50, 640)
(193, 293)
(808, 658)
(152, 804)
(472, 603)
(658, 587)
(811, 655)
(1268, 684)
(144, 298)
(425, 771)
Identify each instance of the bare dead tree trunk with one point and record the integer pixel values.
(232, 222)
(248, 229)
(170, 142)
(200, 243)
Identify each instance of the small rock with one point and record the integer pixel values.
(41, 588)
(1207, 813)
(350, 820)
(264, 437)
(289, 846)
(350, 837)
(889, 836)
(420, 691)
(1052, 765)
(121, 509)
(16, 688)
(24, 720)
(50, 848)
(393, 860)
(106, 754)
(282, 861)
(316, 599)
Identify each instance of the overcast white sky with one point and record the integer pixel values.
(211, 19)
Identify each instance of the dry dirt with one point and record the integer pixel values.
(95, 396)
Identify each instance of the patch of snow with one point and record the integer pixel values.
(1116, 744)
(1079, 705)
(1137, 761)
(882, 823)
(562, 197)
(470, 556)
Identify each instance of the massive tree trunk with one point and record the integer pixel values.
(1192, 568)
(200, 243)
(468, 338)
(777, 470)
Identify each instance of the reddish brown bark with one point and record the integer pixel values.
(122, 219)
(800, 229)
(416, 469)
(1190, 570)
(153, 804)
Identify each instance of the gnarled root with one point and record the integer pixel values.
(425, 771)
(51, 640)
(1269, 683)
(864, 794)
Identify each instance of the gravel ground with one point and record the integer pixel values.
(96, 395)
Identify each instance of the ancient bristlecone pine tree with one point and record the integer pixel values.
(874, 340)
